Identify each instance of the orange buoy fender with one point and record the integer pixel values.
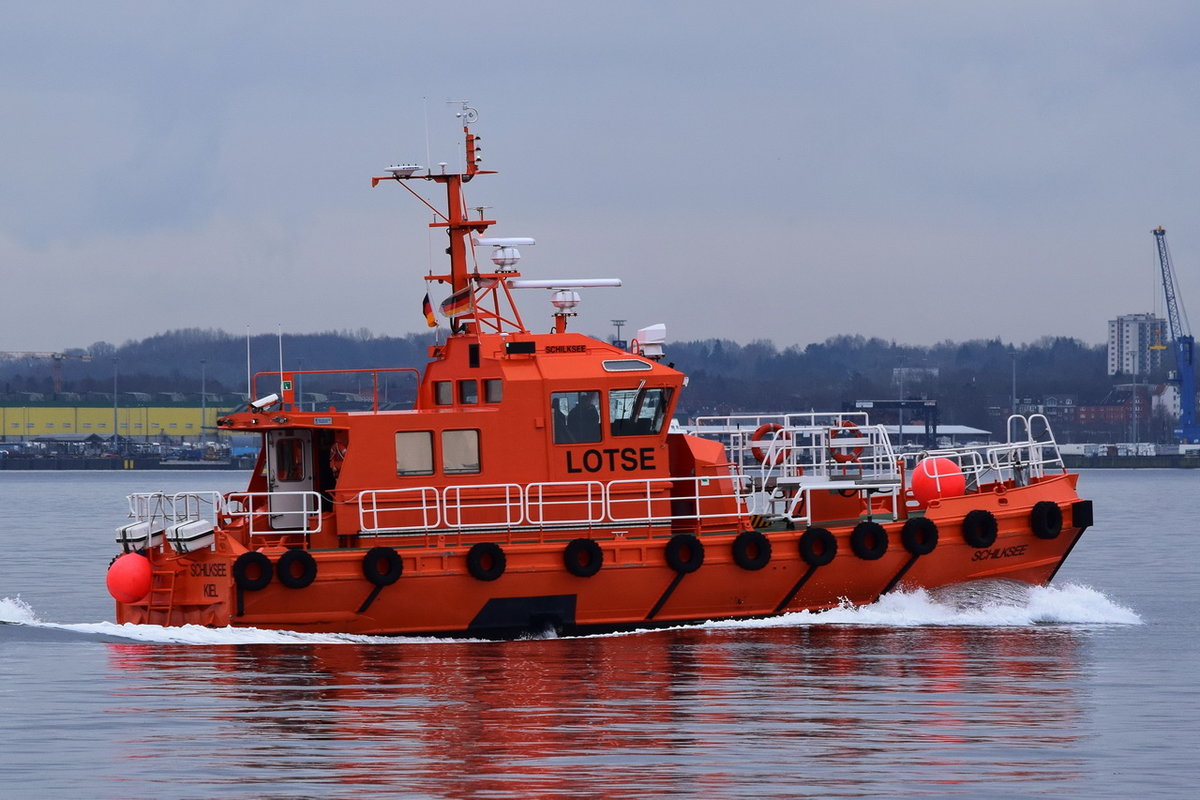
(934, 478)
(761, 432)
(128, 578)
(979, 528)
(817, 547)
(1046, 519)
(751, 550)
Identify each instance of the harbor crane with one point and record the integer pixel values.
(56, 358)
(1183, 345)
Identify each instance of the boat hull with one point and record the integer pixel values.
(644, 580)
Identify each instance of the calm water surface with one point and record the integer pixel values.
(1084, 689)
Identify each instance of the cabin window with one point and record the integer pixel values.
(289, 460)
(414, 453)
(576, 417)
(627, 365)
(468, 392)
(637, 412)
(460, 452)
(493, 390)
(443, 393)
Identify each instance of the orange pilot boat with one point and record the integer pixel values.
(540, 483)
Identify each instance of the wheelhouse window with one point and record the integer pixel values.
(637, 412)
(493, 390)
(576, 417)
(460, 452)
(414, 453)
(468, 392)
(443, 393)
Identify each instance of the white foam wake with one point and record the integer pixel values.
(983, 604)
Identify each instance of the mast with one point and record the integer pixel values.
(476, 296)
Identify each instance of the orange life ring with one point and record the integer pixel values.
(761, 432)
(848, 431)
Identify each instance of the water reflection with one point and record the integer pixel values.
(826, 710)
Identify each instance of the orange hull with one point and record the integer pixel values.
(635, 587)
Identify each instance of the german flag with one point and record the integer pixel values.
(458, 303)
(427, 310)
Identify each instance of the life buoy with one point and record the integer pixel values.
(751, 550)
(817, 547)
(979, 528)
(296, 569)
(1046, 519)
(337, 455)
(252, 571)
(486, 561)
(583, 557)
(684, 553)
(844, 455)
(869, 540)
(781, 452)
(382, 566)
(919, 536)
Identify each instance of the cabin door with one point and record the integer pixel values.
(289, 478)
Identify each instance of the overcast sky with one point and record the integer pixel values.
(917, 171)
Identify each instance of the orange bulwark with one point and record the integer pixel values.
(540, 483)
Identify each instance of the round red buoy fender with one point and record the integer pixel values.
(843, 455)
(128, 578)
(770, 429)
(934, 478)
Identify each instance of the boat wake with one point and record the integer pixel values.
(980, 604)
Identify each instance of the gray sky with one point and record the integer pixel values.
(917, 171)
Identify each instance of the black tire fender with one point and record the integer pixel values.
(979, 528)
(684, 553)
(751, 550)
(869, 540)
(285, 569)
(817, 547)
(583, 558)
(919, 536)
(246, 565)
(486, 561)
(382, 566)
(1046, 519)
